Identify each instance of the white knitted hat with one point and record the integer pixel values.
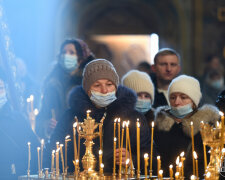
(187, 85)
(139, 82)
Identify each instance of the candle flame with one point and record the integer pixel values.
(146, 155)
(100, 152)
(57, 150)
(38, 148)
(31, 97)
(102, 165)
(161, 171)
(191, 123)
(195, 155)
(75, 124)
(137, 119)
(153, 124)
(42, 141)
(128, 123)
(36, 111)
(77, 161)
(124, 123)
(158, 157)
(57, 143)
(115, 139)
(221, 113)
(180, 164)
(88, 111)
(118, 120)
(115, 120)
(192, 177)
(202, 122)
(182, 154)
(217, 124)
(177, 160)
(171, 166)
(67, 137)
(177, 174)
(61, 145)
(127, 161)
(138, 124)
(208, 174)
(53, 151)
(89, 169)
(28, 100)
(28, 143)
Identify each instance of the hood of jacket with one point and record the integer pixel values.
(207, 113)
(79, 101)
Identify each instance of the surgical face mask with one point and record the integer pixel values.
(3, 99)
(217, 84)
(143, 105)
(69, 62)
(182, 111)
(102, 100)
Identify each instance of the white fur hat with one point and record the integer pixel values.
(138, 81)
(187, 85)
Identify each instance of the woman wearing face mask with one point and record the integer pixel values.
(67, 73)
(142, 84)
(173, 130)
(100, 92)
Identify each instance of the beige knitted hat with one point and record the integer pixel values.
(139, 82)
(187, 85)
(99, 69)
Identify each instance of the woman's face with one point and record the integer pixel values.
(144, 96)
(179, 99)
(69, 49)
(103, 86)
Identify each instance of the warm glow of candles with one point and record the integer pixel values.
(100, 135)
(192, 177)
(128, 137)
(222, 129)
(53, 163)
(182, 161)
(158, 164)
(75, 141)
(88, 113)
(118, 127)
(138, 148)
(39, 168)
(193, 146)
(208, 176)
(151, 155)
(114, 128)
(126, 155)
(62, 159)
(67, 139)
(146, 164)
(29, 158)
(114, 156)
(177, 163)
(171, 171)
(57, 161)
(42, 148)
(160, 174)
(196, 163)
(101, 168)
(177, 174)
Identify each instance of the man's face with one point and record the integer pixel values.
(166, 68)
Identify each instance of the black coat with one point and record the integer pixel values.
(122, 107)
(15, 132)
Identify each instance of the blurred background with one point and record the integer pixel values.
(123, 31)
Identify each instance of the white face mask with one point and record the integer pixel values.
(143, 105)
(182, 111)
(102, 100)
(69, 62)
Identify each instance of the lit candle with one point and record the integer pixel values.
(151, 149)
(62, 159)
(66, 141)
(180, 168)
(222, 129)
(193, 146)
(38, 149)
(118, 121)
(53, 164)
(120, 149)
(57, 161)
(42, 147)
(204, 149)
(128, 136)
(177, 164)
(78, 156)
(57, 145)
(101, 169)
(158, 165)
(114, 129)
(146, 164)
(114, 156)
(29, 158)
(196, 163)
(74, 141)
(208, 176)
(100, 135)
(171, 171)
(177, 174)
(100, 159)
(126, 146)
(182, 161)
(192, 177)
(138, 148)
(88, 113)
(160, 174)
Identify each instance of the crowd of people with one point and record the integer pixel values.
(79, 82)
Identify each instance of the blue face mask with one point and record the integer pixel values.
(69, 62)
(102, 100)
(3, 99)
(143, 105)
(182, 111)
(218, 84)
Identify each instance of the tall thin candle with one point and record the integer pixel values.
(171, 171)
(29, 158)
(196, 163)
(146, 164)
(138, 148)
(151, 155)
(100, 159)
(118, 121)
(42, 148)
(128, 136)
(53, 158)
(126, 146)
(193, 146)
(57, 161)
(114, 156)
(75, 146)
(158, 165)
(67, 139)
(222, 129)
(120, 150)
(62, 159)
(39, 168)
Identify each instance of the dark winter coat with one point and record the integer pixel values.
(122, 107)
(173, 138)
(15, 133)
(56, 88)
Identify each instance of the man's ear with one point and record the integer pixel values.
(153, 68)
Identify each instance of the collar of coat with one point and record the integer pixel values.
(207, 113)
(79, 100)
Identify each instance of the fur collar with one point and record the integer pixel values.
(207, 113)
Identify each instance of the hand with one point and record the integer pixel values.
(51, 125)
(123, 157)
